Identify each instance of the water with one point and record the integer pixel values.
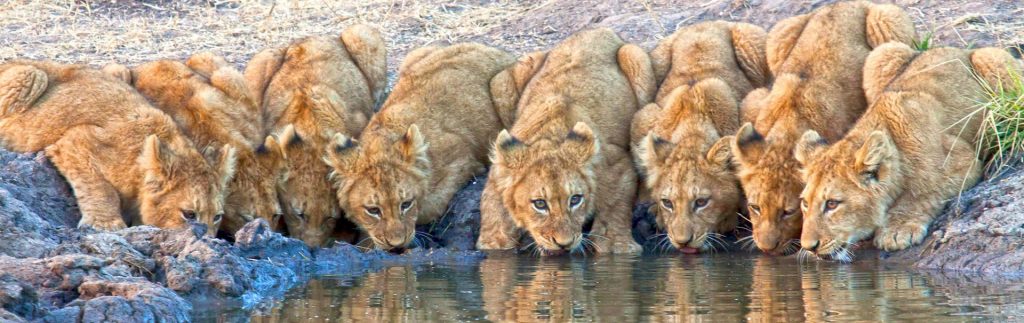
(715, 288)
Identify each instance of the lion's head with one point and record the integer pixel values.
(847, 190)
(690, 172)
(549, 186)
(253, 192)
(307, 196)
(380, 182)
(772, 184)
(180, 186)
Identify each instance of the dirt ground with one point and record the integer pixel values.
(133, 32)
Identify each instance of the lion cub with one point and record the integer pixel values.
(430, 138)
(566, 160)
(708, 68)
(816, 59)
(121, 156)
(209, 100)
(912, 151)
(308, 92)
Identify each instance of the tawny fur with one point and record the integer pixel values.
(913, 150)
(707, 69)
(430, 138)
(308, 92)
(210, 103)
(123, 158)
(570, 142)
(816, 59)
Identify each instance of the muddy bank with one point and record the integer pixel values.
(52, 272)
(982, 231)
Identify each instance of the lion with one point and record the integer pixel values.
(687, 163)
(430, 138)
(211, 103)
(122, 157)
(913, 150)
(566, 160)
(308, 92)
(816, 59)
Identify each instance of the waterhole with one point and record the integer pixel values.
(716, 288)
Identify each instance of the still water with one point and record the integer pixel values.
(674, 288)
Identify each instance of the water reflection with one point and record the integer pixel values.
(730, 287)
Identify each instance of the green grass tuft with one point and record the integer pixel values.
(1003, 133)
(923, 44)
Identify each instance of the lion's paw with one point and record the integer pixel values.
(900, 237)
(112, 224)
(620, 246)
(493, 243)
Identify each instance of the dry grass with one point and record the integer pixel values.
(132, 32)
(99, 32)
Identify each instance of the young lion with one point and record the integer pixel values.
(566, 160)
(816, 59)
(120, 155)
(313, 89)
(911, 152)
(430, 138)
(210, 102)
(687, 163)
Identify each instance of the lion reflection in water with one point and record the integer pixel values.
(517, 289)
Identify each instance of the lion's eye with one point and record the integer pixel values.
(871, 175)
(575, 200)
(218, 217)
(188, 215)
(803, 204)
(667, 204)
(786, 214)
(540, 205)
(754, 209)
(699, 203)
(831, 205)
(406, 205)
(373, 211)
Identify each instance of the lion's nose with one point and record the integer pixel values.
(685, 242)
(768, 243)
(395, 241)
(810, 245)
(565, 245)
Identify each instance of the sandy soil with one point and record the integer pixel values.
(133, 32)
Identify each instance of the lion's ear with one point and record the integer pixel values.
(226, 161)
(119, 72)
(341, 154)
(580, 143)
(509, 152)
(720, 152)
(875, 150)
(155, 161)
(270, 154)
(413, 148)
(746, 145)
(808, 146)
(288, 140)
(651, 153)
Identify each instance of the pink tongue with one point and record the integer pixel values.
(689, 250)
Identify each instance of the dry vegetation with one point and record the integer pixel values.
(132, 32)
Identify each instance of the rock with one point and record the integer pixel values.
(18, 298)
(37, 207)
(131, 300)
(982, 231)
(459, 227)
